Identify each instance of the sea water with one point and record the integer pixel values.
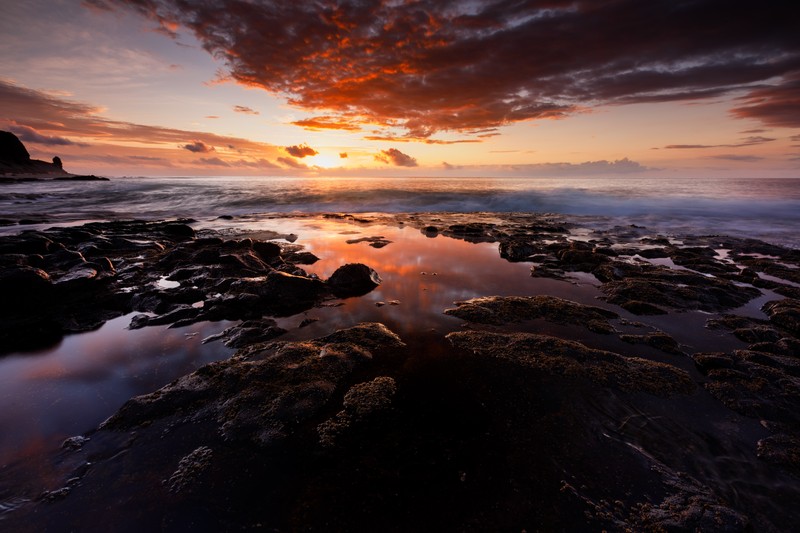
(765, 208)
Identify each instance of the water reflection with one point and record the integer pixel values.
(68, 390)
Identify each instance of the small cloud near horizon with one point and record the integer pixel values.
(396, 157)
(301, 151)
(213, 161)
(198, 147)
(738, 157)
(342, 155)
(245, 110)
(747, 141)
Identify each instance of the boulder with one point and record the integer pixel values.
(353, 279)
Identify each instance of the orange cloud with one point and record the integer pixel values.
(435, 65)
(198, 147)
(56, 121)
(396, 157)
(301, 150)
(326, 122)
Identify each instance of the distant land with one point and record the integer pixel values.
(16, 164)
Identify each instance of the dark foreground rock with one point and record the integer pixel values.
(345, 433)
(499, 310)
(67, 280)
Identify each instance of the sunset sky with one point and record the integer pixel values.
(418, 88)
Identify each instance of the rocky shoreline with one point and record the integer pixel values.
(541, 413)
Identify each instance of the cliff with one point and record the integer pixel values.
(16, 163)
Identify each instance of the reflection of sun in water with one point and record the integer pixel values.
(324, 160)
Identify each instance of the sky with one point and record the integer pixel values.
(516, 88)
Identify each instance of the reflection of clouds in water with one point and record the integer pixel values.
(82, 381)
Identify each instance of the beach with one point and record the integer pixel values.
(395, 370)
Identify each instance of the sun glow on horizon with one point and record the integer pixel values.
(325, 160)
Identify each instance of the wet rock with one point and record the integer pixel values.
(784, 313)
(759, 385)
(266, 250)
(263, 393)
(663, 287)
(571, 359)
(499, 310)
(652, 253)
(637, 307)
(520, 250)
(689, 506)
(190, 469)
(361, 402)
(248, 332)
(658, 340)
(375, 242)
(430, 231)
(27, 287)
(287, 292)
(782, 448)
(708, 361)
(353, 279)
(178, 230)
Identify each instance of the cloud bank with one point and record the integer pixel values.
(435, 65)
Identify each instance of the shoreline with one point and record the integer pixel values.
(321, 408)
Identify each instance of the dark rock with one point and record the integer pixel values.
(27, 287)
(658, 286)
(430, 231)
(658, 340)
(286, 292)
(375, 242)
(57, 162)
(353, 279)
(266, 250)
(637, 307)
(499, 310)
(178, 230)
(249, 332)
(302, 258)
(574, 360)
(12, 150)
(782, 448)
(361, 402)
(712, 361)
(784, 313)
(653, 253)
(519, 250)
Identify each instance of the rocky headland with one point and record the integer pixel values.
(16, 164)
(535, 413)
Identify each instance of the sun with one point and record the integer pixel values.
(323, 160)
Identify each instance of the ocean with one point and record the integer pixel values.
(768, 209)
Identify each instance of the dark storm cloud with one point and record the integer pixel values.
(777, 105)
(395, 157)
(428, 66)
(301, 150)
